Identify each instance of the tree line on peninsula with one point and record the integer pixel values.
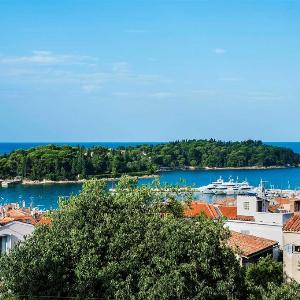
(70, 163)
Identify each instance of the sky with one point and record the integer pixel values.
(149, 70)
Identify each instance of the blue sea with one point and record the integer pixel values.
(46, 196)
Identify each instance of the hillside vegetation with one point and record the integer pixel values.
(69, 163)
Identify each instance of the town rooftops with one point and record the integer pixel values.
(293, 224)
(230, 212)
(282, 201)
(197, 208)
(12, 212)
(214, 211)
(249, 245)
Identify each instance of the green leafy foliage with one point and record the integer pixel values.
(65, 162)
(261, 274)
(289, 291)
(133, 243)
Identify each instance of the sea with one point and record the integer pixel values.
(46, 196)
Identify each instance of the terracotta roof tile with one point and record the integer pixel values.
(17, 215)
(283, 200)
(6, 220)
(293, 224)
(249, 244)
(196, 208)
(274, 208)
(230, 212)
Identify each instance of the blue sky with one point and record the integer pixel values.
(149, 70)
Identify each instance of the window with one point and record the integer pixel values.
(246, 205)
(289, 248)
(3, 244)
(297, 205)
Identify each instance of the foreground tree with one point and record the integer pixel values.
(289, 291)
(260, 275)
(129, 244)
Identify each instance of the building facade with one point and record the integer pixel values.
(13, 233)
(291, 249)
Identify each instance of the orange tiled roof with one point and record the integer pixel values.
(293, 224)
(14, 213)
(274, 208)
(283, 201)
(196, 208)
(17, 215)
(6, 220)
(249, 244)
(230, 212)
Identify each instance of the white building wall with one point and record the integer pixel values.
(242, 204)
(291, 259)
(268, 231)
(272, 218)
(15, 232)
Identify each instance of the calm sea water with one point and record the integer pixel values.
(46, 196)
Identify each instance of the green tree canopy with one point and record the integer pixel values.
(129, 244)
(65, 162)
(261, 274)
(289, 291)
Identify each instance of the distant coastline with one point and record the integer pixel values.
(79, 181)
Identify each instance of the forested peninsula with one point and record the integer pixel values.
(72, 163)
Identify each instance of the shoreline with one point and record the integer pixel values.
(225, 168)
(80, 181)
(250, 168)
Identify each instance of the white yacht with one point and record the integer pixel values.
(210, 188)
(231, 187)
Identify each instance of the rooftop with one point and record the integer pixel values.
(293, 224)
(249, 245)
(196, 208)
(214, 211)
(230, 212)
(282, 201)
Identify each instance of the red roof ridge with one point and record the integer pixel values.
(293, 224)
(249, 244)
(195, 208)
(230, 212)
